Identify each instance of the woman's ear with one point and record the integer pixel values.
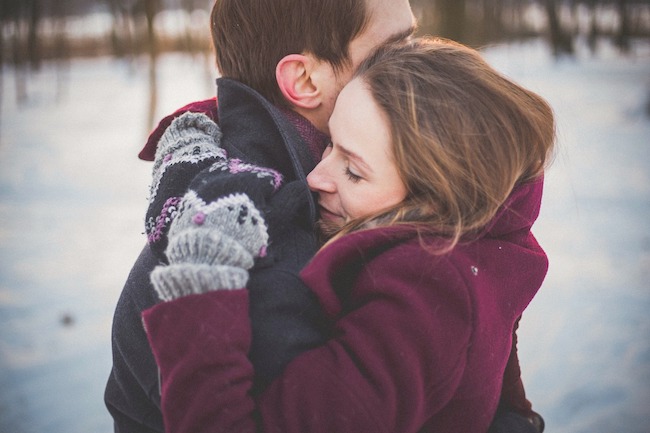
(293, 74)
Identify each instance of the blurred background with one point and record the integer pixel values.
(83, 82)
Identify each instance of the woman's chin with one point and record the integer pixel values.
(328, 228)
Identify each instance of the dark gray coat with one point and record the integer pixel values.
(285, 315)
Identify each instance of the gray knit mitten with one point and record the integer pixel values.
(190, 137)
(211, 246)
(218, 232)
(189, 145)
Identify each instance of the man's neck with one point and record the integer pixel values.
(316, 140)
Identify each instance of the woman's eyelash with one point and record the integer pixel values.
(351, 176)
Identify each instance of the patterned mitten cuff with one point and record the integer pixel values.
(185, 132)
(188, 146)
(208, 247)
(178, 280)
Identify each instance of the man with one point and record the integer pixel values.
(296, 55)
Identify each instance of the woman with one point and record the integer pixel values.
(430, 188)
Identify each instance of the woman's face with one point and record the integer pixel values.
(357, 176)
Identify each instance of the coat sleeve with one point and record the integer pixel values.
(395, 358)
(131, 393)
(201, 343)
(513, 394)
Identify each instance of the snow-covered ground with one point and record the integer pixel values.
(585, 340)
(73, 193)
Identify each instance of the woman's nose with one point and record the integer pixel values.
(318, 180)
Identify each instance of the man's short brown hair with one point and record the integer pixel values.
(251, 36)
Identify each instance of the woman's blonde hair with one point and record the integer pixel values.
(463, 135)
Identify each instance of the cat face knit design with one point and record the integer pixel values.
(211, 246)
(211, 235)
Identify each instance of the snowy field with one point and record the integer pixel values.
(73, 193)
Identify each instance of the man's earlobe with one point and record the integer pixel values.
(293, 74)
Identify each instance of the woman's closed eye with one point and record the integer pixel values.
(352, 177)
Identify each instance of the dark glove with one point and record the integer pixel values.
(289, 209)
(511, 422)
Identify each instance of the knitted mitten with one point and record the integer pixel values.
(218, 231)
(189, 145)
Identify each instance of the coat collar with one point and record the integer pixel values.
(257, 131)
(518, 212)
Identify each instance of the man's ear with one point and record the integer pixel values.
(293, 74)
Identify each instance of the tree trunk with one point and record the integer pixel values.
(594, 32)
(493, 27)
(33, 42)
(623, 35)
(560, 40)
(151, 8)
(452, 19)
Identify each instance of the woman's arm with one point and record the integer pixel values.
(387, 368)
(201, 344)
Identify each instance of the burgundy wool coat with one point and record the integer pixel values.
(417, 342)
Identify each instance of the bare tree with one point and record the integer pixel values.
(622, 38)
(61, 48)
(13, 15)
(492, 24)
(35, 12)
(151, 8)
(452, 18)
(594, 31)
(2, 56)
(3, 19)
(561, 41)
(123, 31)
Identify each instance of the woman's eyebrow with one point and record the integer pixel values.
(356, 157)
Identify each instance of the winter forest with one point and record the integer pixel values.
(34, 31)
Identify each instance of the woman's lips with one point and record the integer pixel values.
(328, 215)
